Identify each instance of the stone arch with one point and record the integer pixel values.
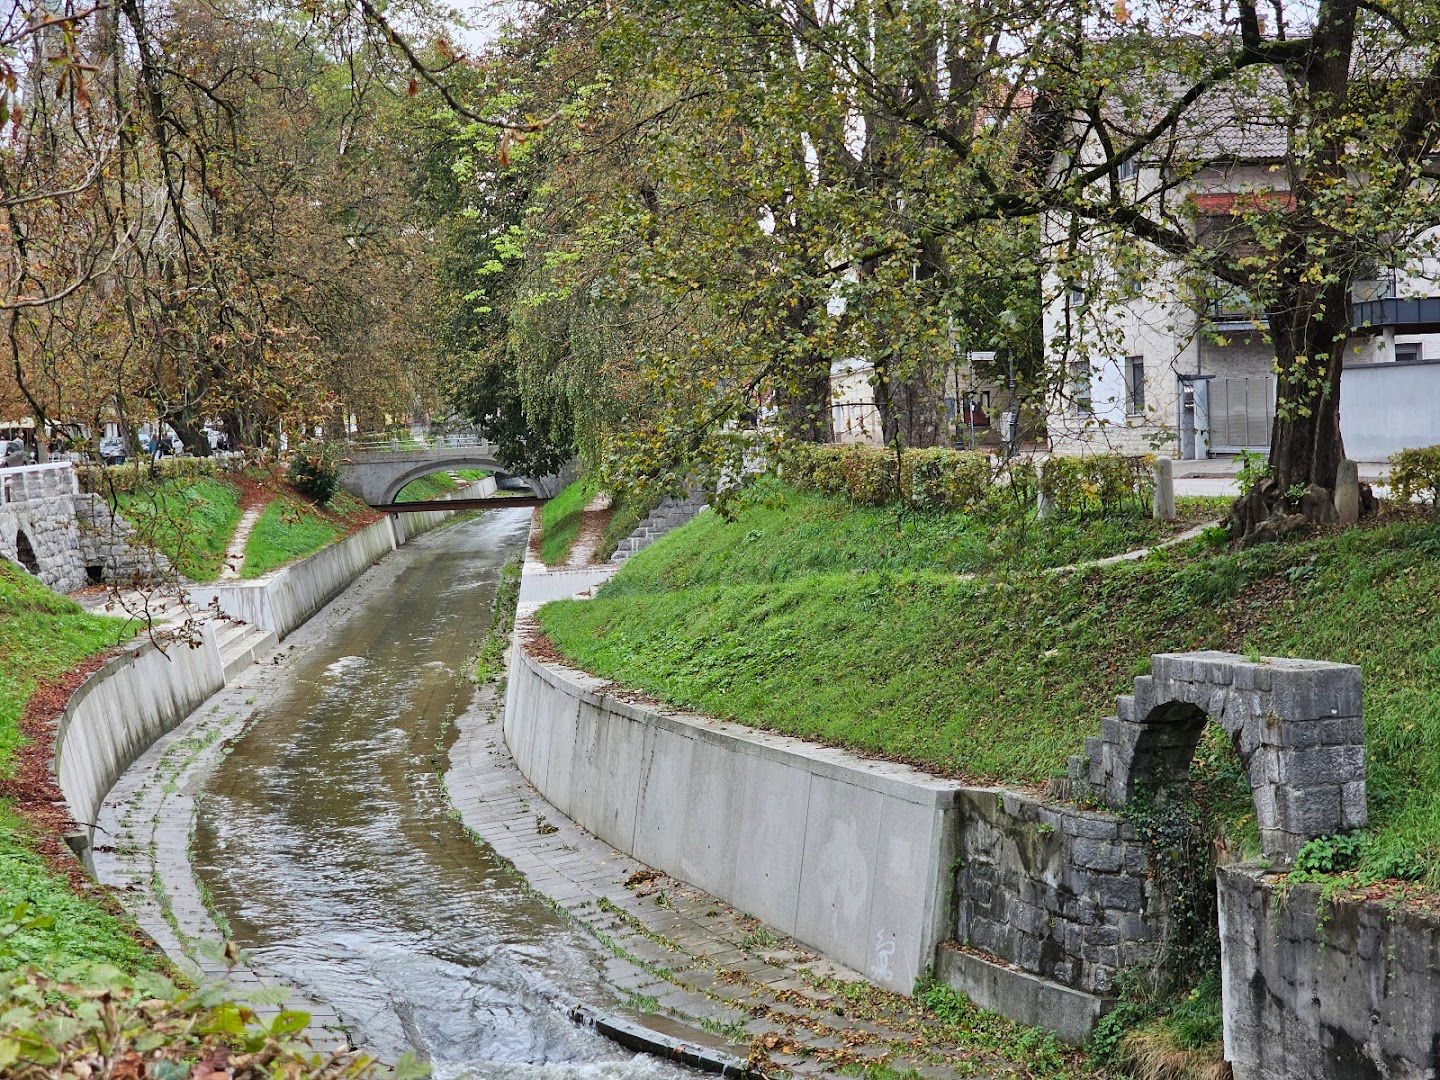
(25, 553)
(394, 484)
(1296, 724)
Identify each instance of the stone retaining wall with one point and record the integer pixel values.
(37, 524)
(1344, 990)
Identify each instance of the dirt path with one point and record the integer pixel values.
(594, 519)
(235, 550)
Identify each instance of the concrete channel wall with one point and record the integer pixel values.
(141, 694)
(843, 854)
(283, 600)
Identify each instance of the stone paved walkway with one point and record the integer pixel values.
(142, 852)
(682, 953)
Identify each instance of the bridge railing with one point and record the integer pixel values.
(407, 440)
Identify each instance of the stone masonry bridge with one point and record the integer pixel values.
(376, 470)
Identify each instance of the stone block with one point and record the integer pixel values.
(1098, 855)
(1122, 893)
(1070, 1013)
(1353, 804)
(1311, 812)
(1092, 826)
(1342, 731)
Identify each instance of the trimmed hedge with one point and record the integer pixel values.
(1416, 473)
(941, 479)
(128, 478)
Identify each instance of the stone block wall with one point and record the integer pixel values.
(1296, 725)
(107, 542)
(670, 514)
(37, 524)
(1316, 990)
(1053, 890)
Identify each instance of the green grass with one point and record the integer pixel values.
(289, 528)
(1000, 679)
(439, 484)
(781, 534)
(560, 521)
(189, 520)
(43, 636)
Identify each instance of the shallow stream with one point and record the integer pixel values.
(325, 840)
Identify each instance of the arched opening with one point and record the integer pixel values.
(25, 553)
(403, 487)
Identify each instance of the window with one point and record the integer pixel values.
(1080, 390)
(1135, 375)
(1126, 169)
(1077, 297)
(1410, 352)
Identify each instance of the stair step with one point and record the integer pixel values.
(243, 650)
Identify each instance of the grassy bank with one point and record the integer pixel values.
(560, 521)
(42, 637)
(824, 625)
(189, 520)
(439, 484)
(291, 527)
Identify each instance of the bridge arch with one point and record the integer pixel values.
(1296, 724)
(396, 484)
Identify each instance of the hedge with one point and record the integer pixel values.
(126, 479)
(941, 479)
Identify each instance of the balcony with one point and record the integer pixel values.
(1405, 315)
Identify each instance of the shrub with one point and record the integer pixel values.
(129, 478)
(870, 475)
(1101, 481)
(1415, 473)
(314, 474)
(942, 479)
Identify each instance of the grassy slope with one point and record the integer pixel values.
(560, 521)
(290, 528)
(42, 636)
(438, 484)
(1003, 680)
(190, 520)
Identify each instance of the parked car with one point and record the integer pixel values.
(13, 452)
(112, 450)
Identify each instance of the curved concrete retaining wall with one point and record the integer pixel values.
(122, 708)
(283, 600)
(138, 696)
(843, 854)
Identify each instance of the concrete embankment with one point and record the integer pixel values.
(146, 690)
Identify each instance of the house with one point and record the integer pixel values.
(1148, 362)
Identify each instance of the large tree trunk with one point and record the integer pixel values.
(805, 403)
(911, 407)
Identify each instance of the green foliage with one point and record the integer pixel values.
(188, 520)
(1415, 474)
(1254, 470)
(1041, 1052)
(67, 926)
(1107, 483)
(112, 480)
(94, 1019)
(490, 660)
(314, 472)
(1330, 854)
(289, 529)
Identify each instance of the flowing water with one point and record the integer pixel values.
(324, 839)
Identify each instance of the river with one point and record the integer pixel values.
(325, 840)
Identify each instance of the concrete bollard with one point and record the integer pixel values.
(1043, 505)
(1347, 492)
(1163, 501)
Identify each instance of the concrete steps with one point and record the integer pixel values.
(241, 645)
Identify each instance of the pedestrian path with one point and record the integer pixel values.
(235, 550)
(680, 953)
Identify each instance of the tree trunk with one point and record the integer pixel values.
(805, 403)
(191, 434)
(911, 408)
